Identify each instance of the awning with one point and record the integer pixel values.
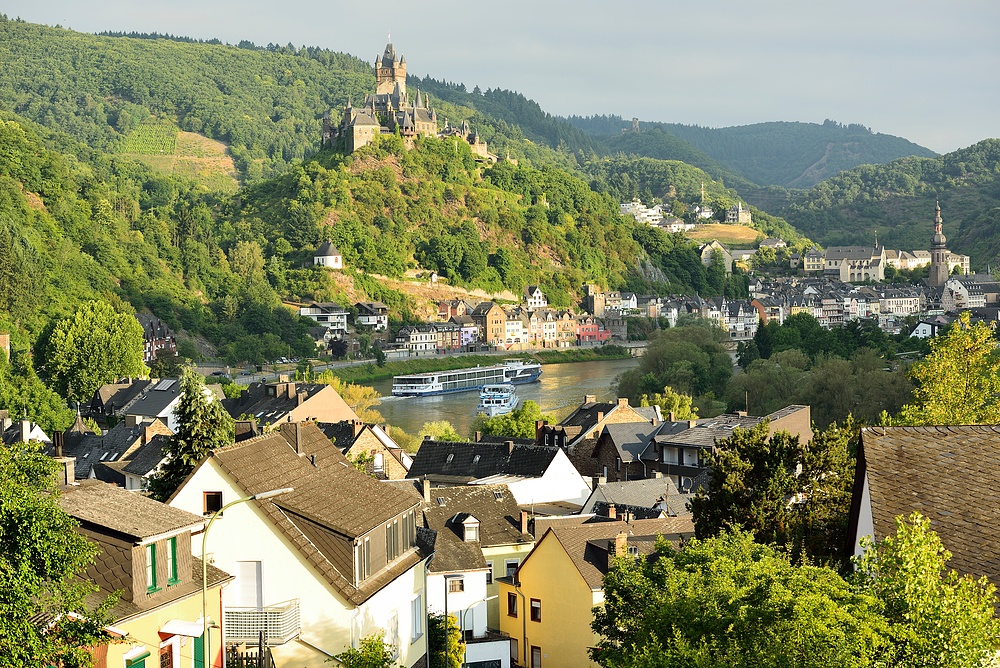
(179, 627)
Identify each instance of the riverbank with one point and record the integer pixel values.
(365, 374)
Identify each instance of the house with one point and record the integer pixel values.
(157, 337)
(534, 298)
(321, 566)
(709, 250)
(547, 604)
(22, 431)
(475, 532)
(491, 320)
(855, 264)
(772, 243)
(585, 424)
(374, 315)
(813, 261)
(368, 442)
(158, 400)
(931, 326)
(680, 449)
(468, 332)
(271, 403)
(328, 314)
(942, 472)
(109, 400)
(449, 308)
(146, 557)
(643, 499)
(418, 339)
(328, 256)
(619, 449)
(737, 215)
(535, 474)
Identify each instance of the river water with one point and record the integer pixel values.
(560, 389)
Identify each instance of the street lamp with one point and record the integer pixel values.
(206, 646)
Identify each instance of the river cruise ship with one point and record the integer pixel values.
(513, 372)
(497, 400)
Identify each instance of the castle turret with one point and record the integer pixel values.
(390, 71)
(939, 253)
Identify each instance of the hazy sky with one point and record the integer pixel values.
(925, 70)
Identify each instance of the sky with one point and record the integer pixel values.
(925, 70)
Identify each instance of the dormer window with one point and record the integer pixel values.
(471, 529)
(151, 569)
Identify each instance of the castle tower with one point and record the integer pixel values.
(939, 254)
(390, 71)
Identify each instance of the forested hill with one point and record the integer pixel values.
(897, 200)
(792, 155)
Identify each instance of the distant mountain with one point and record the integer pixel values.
(897, 201)
(792, 155)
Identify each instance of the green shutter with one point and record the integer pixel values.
(151, 569)
(172, 576)
(137, 662)
(199, 652)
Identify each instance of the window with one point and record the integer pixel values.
(379, 463)
(472, 532)
(172, 561)
(536, 657)
(618, 463)
(511, 566)
(536, 610)
(392, 540)
(211, 502)
(151, 569)
(417, 618)
(489, 572)
(456, 585)
(511, 604)
(363, 554)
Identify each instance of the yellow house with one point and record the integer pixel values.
(146, 557)
(547, 604)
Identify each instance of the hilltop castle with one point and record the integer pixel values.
(389, 111)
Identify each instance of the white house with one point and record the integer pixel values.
(320, 567)
(373, 314)
(328, 256)
(328, 314)
(534, 298)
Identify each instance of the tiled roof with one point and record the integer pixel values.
(580, 542)
(116, 395)
(326, 249)
(948, 474)
(630, 438)
(493, 505)
(147, 457)
(156, 398)
(472, 461)
(119, 443)
(129, 515)
(642, 494)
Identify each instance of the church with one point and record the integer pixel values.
(390, 110)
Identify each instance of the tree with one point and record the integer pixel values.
(203, 426)
(782, 491)
(937, 617)
(361, 398)
(728, 601)
(671, 404)
(959, 381)
(519, 423)
(440, 430)
(166, 365)
(94, 346)
(439, 633)
(41, 560)
(373, 652)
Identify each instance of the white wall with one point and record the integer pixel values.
(866, 523)
(561, 482)
(468, 607)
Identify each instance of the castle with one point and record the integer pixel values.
(390, 111)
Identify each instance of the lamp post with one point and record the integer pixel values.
(206, 646)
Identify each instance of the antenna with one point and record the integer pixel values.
(746, 399)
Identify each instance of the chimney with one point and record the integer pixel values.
(5, 421)
(539, 425)
(510, 447)
(741, 413)
(428, 437)
(66, 474)
(692, 424)
(479, 436)
(132, 420)
(673, 416)
(612, 511)
(290, 390)
(25, 430)
(621, 544)
(657, 474)
(299, 398)
(57, 441)
(246, 429)
(589, 398)
(244, 394)
(600, 415)
(524, 521)
(427, 490)
(147, 433)
(298, 439)
(358, 426)
(623, 402)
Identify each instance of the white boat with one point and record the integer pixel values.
(497, 400)
(511, 372)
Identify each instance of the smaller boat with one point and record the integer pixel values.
(497, 400)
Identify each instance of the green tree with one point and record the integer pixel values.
(728, 601)
(41, 560)
(440, 430)
(780, 490)
(959, 381)
(445, 648)
(373, 652)
(519, 423)
(938, 618)
(94, 346)
(671, 404)
(203, 425)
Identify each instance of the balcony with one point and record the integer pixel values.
(279, 623)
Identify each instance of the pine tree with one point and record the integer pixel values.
(203, 426)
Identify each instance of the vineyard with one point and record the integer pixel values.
(150, 139)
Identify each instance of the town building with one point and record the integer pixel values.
(331, 315)
(709, 250)
(368, 443)
(374, 315)
(158, 338)
(855, 264)
(328, 256)
(939, 253)
(272, 403)
(737, 215)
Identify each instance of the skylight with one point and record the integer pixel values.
(165, 384)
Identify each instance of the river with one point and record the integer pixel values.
(560, 389)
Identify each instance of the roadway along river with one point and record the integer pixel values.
(560, 390)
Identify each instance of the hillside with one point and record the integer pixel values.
(792, 155)
(897, 200)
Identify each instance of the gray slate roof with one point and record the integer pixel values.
(472, 461)
(645, 493)
(128, 514)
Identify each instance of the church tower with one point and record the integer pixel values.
(939, 254)
(389, 71)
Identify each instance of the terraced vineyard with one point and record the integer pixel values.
(187, 154)
(150, 139)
